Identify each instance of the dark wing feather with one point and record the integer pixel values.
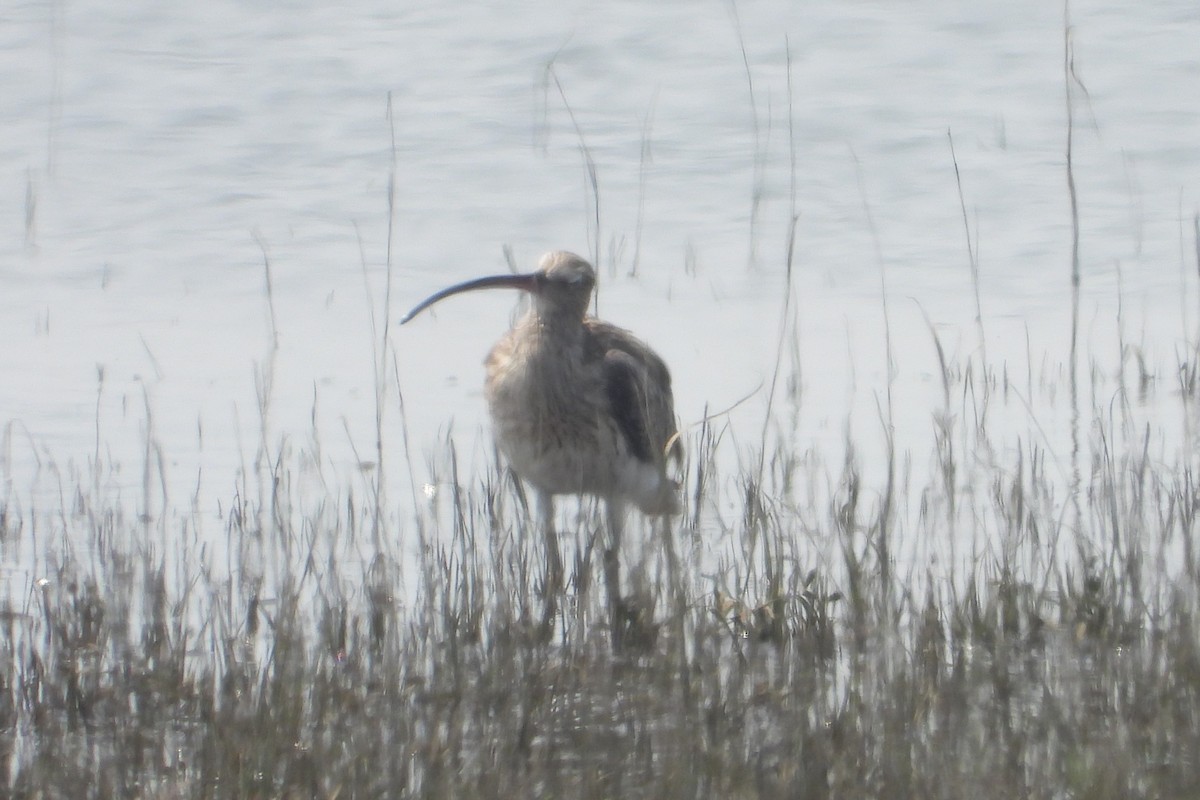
(622, 384)
(638, 386)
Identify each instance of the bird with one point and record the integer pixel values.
(578, 405)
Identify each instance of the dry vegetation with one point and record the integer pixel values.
(1043, 642)
(1063, 661)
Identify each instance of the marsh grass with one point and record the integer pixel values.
(1055, 657)
(995, 628)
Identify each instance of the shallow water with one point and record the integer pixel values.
(155, 157)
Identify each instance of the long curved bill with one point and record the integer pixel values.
(526, 282)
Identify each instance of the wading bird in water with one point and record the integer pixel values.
(578, 406)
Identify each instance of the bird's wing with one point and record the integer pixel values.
(624, 385)
(638, 386)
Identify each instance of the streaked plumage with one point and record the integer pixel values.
(579, 406)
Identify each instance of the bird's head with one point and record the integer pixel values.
(563, 285)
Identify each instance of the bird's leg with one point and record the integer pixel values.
(612, 571)
(553, 585)
(679, 597)
(674, 576)
(554, 565)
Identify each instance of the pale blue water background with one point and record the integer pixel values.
(146, 150)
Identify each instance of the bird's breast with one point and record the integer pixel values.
(550, 417)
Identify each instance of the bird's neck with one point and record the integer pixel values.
(562, 329)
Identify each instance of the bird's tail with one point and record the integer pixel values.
(666, 501)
